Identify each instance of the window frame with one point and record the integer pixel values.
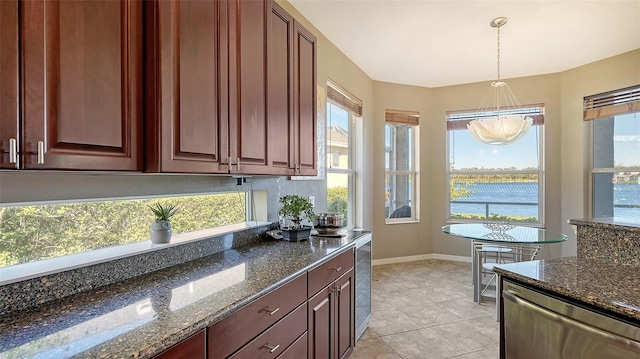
(344, 100)
(538, 117)
(413, 172)
(603, 106)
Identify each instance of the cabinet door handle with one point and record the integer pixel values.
(272, 348)
(271, 312)
(336, 269)
(238, 164)
(333, 289)
(13, 150)
(40, 152)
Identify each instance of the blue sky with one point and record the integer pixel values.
(466, 152)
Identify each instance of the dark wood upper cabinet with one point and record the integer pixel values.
(186, 79)
(248, 75)
(82, 85)
(9, 138)
(280, 105)
(292, 96)
(305, 105)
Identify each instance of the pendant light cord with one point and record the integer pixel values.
(498, 57)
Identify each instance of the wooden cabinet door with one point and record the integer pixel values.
(345, 315)
(9, 139)
(321, 323)
(191, 348)
(248, 128)
(82, 84)
(305, 100)
(187, 113)
(280, 105)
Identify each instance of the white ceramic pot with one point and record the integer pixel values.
(160, 232)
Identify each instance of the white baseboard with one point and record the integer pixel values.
(420, 257)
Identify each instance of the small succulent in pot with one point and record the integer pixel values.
(296, 209)
(161, 227)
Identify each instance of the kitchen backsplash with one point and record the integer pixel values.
(32, 292)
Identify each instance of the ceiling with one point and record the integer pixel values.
(440, 43)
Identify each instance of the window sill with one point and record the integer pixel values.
(409, 221)
(26, 271)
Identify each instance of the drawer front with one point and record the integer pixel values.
(329, 271)
(276, 339)
(297, 350)
(191, 348)
(231, 333)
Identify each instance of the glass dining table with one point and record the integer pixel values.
(522, 242)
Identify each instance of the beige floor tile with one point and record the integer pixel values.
(430, 314)
(419, 344)
(368, 334)
(374, 348)
(491, 353)
(425, 310)
(466, 308)
(465, 337)
(391, 321)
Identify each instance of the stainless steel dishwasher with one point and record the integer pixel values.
(537, 325)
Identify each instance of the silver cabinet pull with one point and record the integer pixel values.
(238, 164)
(272, 348)
(295, 167)
(13, 150)
(336, 269)
(271, 312)
(40, 152)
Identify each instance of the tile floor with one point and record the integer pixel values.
(425, 310)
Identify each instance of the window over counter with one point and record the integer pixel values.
(344, 116)
(401, 166)
(495, 183)
(615, 152)
(36, 232)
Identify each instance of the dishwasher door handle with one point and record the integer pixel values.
(573, 324)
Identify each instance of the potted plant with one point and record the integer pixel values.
(295, 209)
(161, 226)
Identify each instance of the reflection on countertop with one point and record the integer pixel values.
(145, 315)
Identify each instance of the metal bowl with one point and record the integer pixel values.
(329, 220)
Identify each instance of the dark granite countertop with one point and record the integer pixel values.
(628, 224)
(602, 284)
(143, 316)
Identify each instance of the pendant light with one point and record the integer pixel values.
(500, 125)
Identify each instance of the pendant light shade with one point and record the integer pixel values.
(499, 130)
(500, 125)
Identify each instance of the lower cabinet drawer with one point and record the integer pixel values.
(297, 350)
(276, 339)
(233, 332)
(190, 348)
(322, 275)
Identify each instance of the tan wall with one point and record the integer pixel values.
(606, 75)
(401, 240)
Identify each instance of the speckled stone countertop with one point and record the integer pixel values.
(602, 284)
(628, 224)
(143, 316)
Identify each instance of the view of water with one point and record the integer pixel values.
(524, 196)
